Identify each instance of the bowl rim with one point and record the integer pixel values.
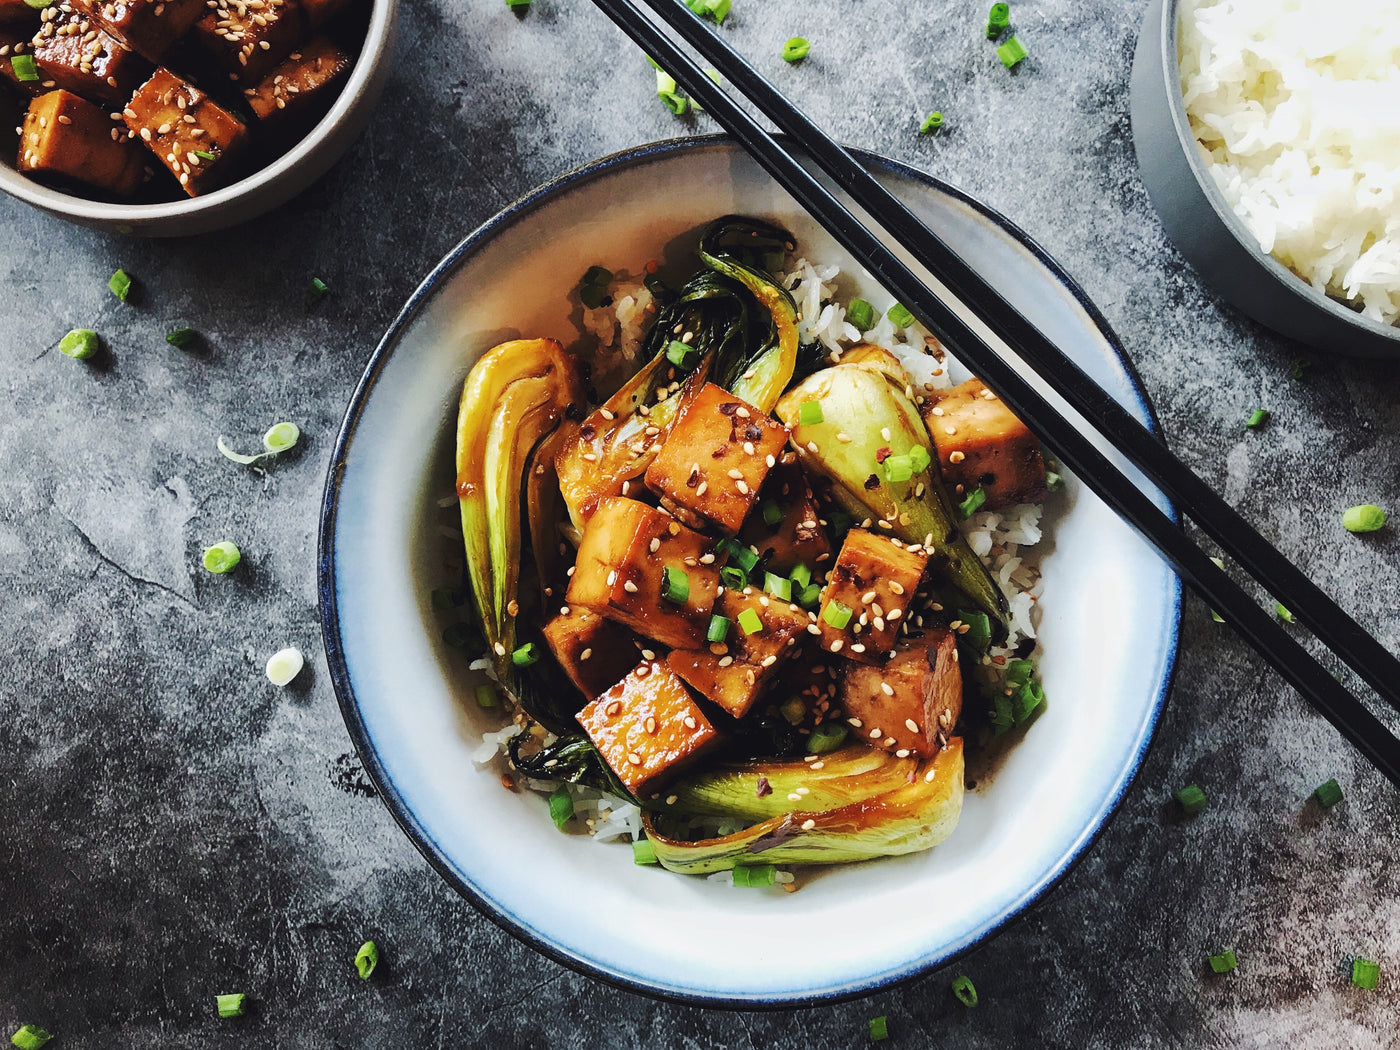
(378, 40)
(1168, 38)
(408, 822)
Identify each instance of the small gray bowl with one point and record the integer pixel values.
(260, 192)
(1204, 228)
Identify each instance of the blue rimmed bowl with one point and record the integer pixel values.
(1109, 626)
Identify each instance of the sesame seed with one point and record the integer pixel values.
(769, 661)
(887, 689)
(911, 725)
(748, 448)
(605, 414)
(894, 614)
(688, 721)
(950, 429)
(928, 777)
(500, 649)
(655, 544)
(874, 733)
(885, 433)
(634, 758)
(742, 486)
(612, 577)
(903, 752)
(836, 646)
(896, 587)
(812, 628)
(648, 654)
(613, 708)
(867, 597)
(859, 647)
(742, 412)
(700, 490)
(808, 824)
(812, 446)
(735, 473)
(770, 461)
(935, 410)
(794, 797)
(956, 456)
(651, 725)
(725, 661)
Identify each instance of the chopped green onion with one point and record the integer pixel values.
(527, 654)
(1011, 52)
(1027, 700)
(1365, 973)
(515, 4)
(879, 1029)
(826, 737)
(836, 615)
(366, 959)
(1328, 794)
(979, 629)
(919, 458)
(666, 92)
(181, 337)
(1018, 672)
(809, 413)
(779, 587)
(1284, 614)
(898, 468)
(679, 353)
(38, 5)
(796, 49)
(460, 636)
(1003, 713)
(561, 807)
(733, 579)
(281, 436)
(964, 990)
(284, 665)
(643, 852)
(932, 122)
(997, 20)
(1365, 518)
(222, 557)
(1257, 418)
(594, 286)
(675, 584)
(749, 621)
(26, 69)
(80, 343)
(800, 576)
(755, 875)
(810, 595)
(1053, 482)
(717, 10)
(899, 316)
(237, 457)
(793, 709)
(1300, 368)
(740, 555)
(861, 314)
(120, 282)
(772, 513)
(318, 288)
(974, 501)
(486, 695)
(30, 1036)
(718, 630)
(231, 1005)
(1224, 962)
(1191, 798)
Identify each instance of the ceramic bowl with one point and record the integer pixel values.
(264, 189)
(1205, 228)
(1109, 630)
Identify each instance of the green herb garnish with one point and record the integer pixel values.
(366, 959)
(932, 122)
(899, 316)
(675, 584)
(1191, 799)
(1012, 52)
(973, 502)
(80, 343)
(1365, 518)
(119, 282)
(963, 988)
(232, 1004)
(1328, 794)
(749, 621)
(1224, 962)
(861, 314)
(561, 807)
(222, 557)
(526, 655)
(796, 49)
(26, 69)
(1257, 418)
(181, 337)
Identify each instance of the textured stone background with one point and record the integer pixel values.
(172, 827)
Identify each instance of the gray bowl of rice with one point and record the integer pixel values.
(1268, 136)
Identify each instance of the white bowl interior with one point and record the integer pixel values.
(1108, 632)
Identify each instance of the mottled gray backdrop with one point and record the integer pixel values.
(172, 827)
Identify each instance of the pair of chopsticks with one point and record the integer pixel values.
(1000, 323)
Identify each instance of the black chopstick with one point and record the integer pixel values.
(1236, 537)
(1309, 677)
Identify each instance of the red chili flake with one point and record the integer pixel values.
(882, 454)
(872, 482)
(719, 452)
(729, 408)
(753, 432)
(588, 433)
(764, 788)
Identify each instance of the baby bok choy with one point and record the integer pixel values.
(907, 816)
(855, 424)
(515, 396)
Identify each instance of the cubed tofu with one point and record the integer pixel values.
(192, 135)
(626, 548)
(246, 42)
(77, 56)
(910, 704)
(798, 537)
(148, 27)
(734, 673)
(647, 727)
(875, 578)
(980, 443)
(15, 40)
(716, 458)
(67, 138)
(301, 86)
(593, 651)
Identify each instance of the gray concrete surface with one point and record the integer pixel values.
(171, 827)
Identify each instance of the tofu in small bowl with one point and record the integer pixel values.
(177, 117)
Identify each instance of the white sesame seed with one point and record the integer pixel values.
(887, 689)
(874, 733)
(808, 824)
(794, 797)
(911, 725)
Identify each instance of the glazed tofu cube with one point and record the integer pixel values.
(15, 41)
(83, 59)
(735, 672)
(148, 27)
(300, 87)
(67, 138)
(797, 538)
(628, 553)
(647, 727)
(194, 136)
(980, 442)
(246, 42)
(717, 457)
(910, 704)
(869, 587)
(594, 652)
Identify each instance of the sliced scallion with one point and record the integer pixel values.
(749, 622)
(486, 695)
(1012, 52)
(222, 557)
(898, 468)
(836, 615)
(1365, 973)
(796, 49)
(973, 502)
(965, 991)
(899, 316)
(281, 436)
(739, 555)
(800, 576)
(181, 337)
(232, 1004)
(1223, 962)
(809, 413)
(718, 630)
(675, 584)
(1364, 518)
(997, 20)
(810, 595)
(755, 875)
(526, 655)
(772, 513)
(318, 288)
(80, 344)
(366, 959)
(643, 852)
(879, 1029)
(1191, 799)
(30, 1036)
(932, 122)
(779, 587)
(1257, 418)
(733, 579)
(1054, 482)
(1328, 794)
(1284, 614)
(919, 458)
(666, 92)
(26, 69)
(861, 314)
(284, 665)
(120, 281)
(593, 289)
(679, 353)
(826, 737)
(561, 807)
(793, 709)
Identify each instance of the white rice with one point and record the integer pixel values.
(1296, 107)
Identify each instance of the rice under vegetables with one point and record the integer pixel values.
(1296, 107)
